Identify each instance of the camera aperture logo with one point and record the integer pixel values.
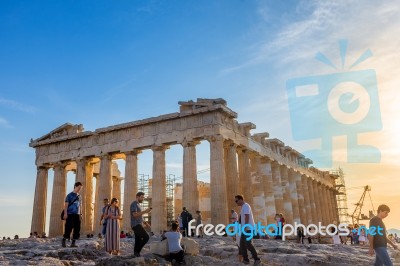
(338, 104)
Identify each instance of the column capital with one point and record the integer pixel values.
(229, 143)
(189, 143)
(61, 164)
(161, 147)
(214, 138)
(133, 152)
(265, 160)
(106, 156)
(241, 149)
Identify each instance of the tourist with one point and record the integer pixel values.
(179, 220)
(246, 217)
(198, 222)
(186, 218)
(378, 242)
(72, 215)
(233, 217)
(36, 235)
(362, 238)
(141, 236)
(174, 238)
(103, 220)
(16, 237)
(336, 237)
(31, 235)
(112, 237)
(300, 235)
(122, 235)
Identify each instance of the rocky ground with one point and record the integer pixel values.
(213, 251)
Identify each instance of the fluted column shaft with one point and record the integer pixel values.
(190, 193)
(244, 175)
(130, 187)
(268, 187)
(317, 202)
(116, 187)
(39, 202)
(307, 203)
(300, 198)
(329, 204)
(88, 200)
(289, 188)
(159, 193)
(84, 174)
(232, 175)
(104, 182)
(294, 197)
(322, 203)
(219, 205)
(58, 199)
(258, 208)
(313, 203)
(278, 188)
(326, 204)
(335, 206)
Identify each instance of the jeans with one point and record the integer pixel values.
(141, 237)
(178, 256)
(382, 257)
(247, 245)
(73, 222)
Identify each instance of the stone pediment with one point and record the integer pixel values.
(64, 130)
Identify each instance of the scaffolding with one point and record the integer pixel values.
(341, 197)
(145, 185)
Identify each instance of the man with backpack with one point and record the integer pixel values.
(72, 215)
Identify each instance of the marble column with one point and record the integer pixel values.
(290, 205)
(84, 174)
(258, 207)
(300, 198)
(317, 202)
(268, 187)
(130, 187)
(58, 199)
(190, 193)
(322, 203)
(335, 206)
(294, 197)
(232, 175)
(39, 202)
(313, 203)
(307, 202)
(159, 193)
(116, 187)
(104, 183)
(326, 204)
(329, 204)
(278, 188)
(219, 205)
(245, 183)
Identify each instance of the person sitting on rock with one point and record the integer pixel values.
(174, 238)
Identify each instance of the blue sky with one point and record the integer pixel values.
(100, 63)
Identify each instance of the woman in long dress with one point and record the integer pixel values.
(112, 240)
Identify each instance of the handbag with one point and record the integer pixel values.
(69, 204)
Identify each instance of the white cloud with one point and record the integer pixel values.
(4, 123)
(17, 106)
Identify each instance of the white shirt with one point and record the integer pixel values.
(174, 241)
(246, 209)
(234, 217)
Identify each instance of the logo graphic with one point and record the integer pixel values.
(338, 104)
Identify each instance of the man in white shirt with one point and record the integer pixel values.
(246, 217)
(174, 238)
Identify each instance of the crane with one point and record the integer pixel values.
(357, 215)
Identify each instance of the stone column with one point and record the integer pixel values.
(300, 198)
(89, 198)
(317, 202)
(291, 208)
(84, 174)
(116, 187)
(232, 175)
(258, 208)
(335, 206)
(245, 182)
(190, 193)
(307, 203)
(326, 204)
(130, 187)
(39, 202)
(268, 187)
(322, 204)
(329, 204)
(58, 199)
(278, 188)
(313, 203)
(219, 205)
(294, 197)
(159, 193)
(104, 185)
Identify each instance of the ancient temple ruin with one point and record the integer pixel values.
(273, 178)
